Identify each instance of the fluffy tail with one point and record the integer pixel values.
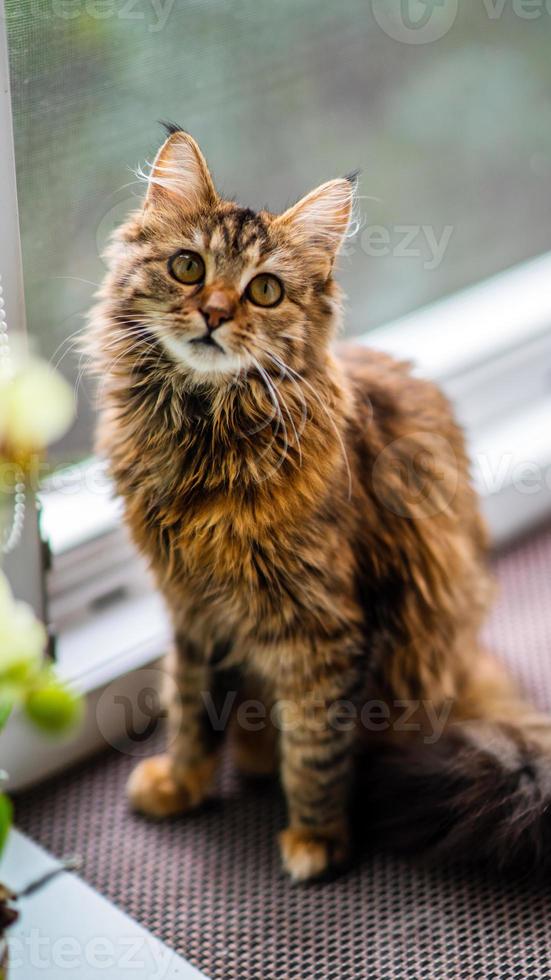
(481, 793)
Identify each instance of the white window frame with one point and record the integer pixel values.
(25, 568)
(489, 346)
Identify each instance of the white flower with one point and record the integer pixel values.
(22, 637)
(36, 406)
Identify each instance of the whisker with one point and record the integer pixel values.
(323, 406)
(290, 416)
(87, 282)
(280, 423)
(147, 350)
(73, 337)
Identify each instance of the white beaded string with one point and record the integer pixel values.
(11, 535)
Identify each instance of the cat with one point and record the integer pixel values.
(307, 512)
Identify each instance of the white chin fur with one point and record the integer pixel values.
(202, 360)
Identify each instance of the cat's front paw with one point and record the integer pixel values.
(308, 854)
(154, 790)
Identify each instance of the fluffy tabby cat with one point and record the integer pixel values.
(309, 519)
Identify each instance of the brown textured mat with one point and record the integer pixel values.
(210, 885)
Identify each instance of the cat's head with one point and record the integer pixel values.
(223, 289)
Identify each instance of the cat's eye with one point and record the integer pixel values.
(265, 290)
(187, 267)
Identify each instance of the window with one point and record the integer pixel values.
(453, 139)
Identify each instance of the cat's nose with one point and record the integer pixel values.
(217, 308)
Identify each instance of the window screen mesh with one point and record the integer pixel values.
(453, 136)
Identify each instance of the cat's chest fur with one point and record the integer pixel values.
(259, 549)
(203, 502)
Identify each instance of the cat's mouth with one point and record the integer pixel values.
(207, 340)
(204, 354)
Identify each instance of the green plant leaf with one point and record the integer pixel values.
(6, 705)
(53, 708)
(5, 819)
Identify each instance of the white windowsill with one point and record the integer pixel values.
(78, 507)
(68, 929)
(470, 327)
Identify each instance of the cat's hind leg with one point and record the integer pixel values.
(253, 735)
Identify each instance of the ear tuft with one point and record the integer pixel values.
(322, 218)
(170, 127)
(353, 177)
(179, 175)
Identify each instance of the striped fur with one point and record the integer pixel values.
(306, 509)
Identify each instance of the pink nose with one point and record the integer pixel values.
(217, 307)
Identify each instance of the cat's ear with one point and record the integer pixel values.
(180, 176)
(321, 219)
